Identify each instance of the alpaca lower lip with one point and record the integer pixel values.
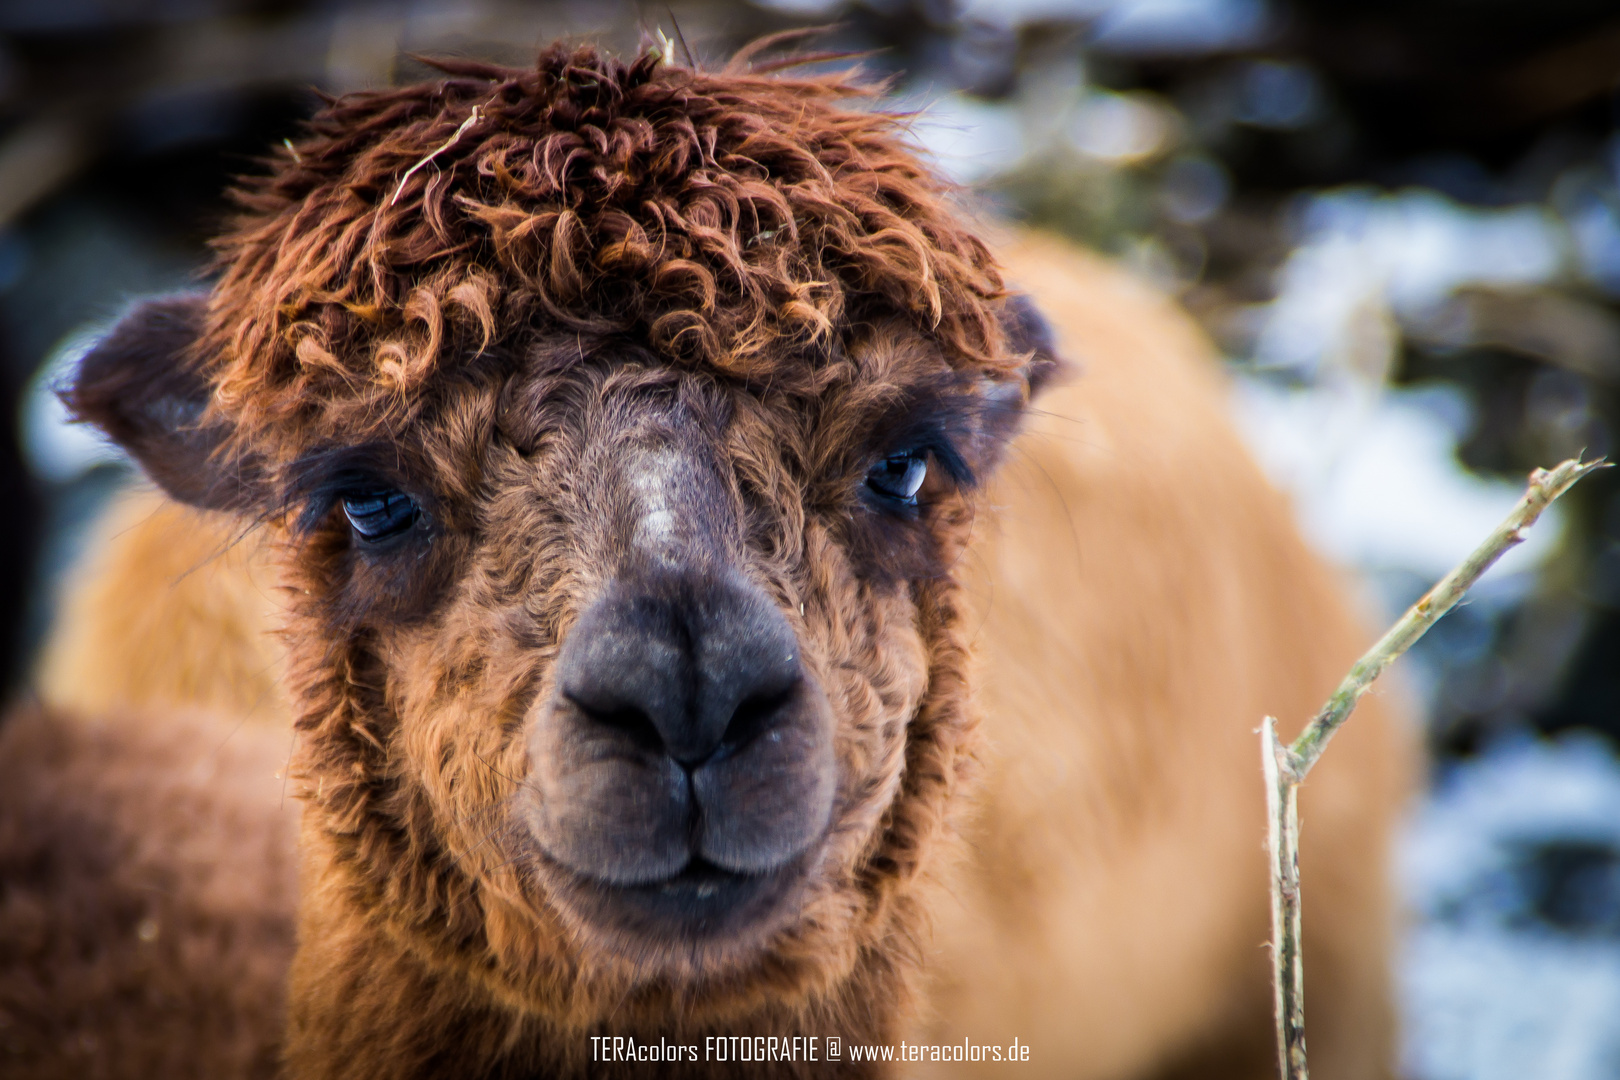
(701, 881)
(701, 891)
(701, 900)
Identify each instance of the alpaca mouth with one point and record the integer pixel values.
(699, 903)
(698, 892)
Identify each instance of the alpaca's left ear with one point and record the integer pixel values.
(1029, 333)
(1004, 400)
(141, 385)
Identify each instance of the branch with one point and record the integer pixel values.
(1545, 486)
(1282, 812)
(1286, 766)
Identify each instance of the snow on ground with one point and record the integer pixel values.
(1511, 967)
(1375, 481)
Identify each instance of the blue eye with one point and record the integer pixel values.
(899, 476)
(378, 515)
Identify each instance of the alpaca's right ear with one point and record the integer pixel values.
(140, 384)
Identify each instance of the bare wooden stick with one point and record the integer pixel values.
(1282, 811)
(1286, 766)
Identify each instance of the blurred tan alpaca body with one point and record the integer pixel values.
(1141, 599)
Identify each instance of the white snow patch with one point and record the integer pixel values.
(1405, 252)
(1500, 1006)
(1375, 481)
(1484, 998)
(59, 450)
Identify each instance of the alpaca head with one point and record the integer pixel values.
(621, 426)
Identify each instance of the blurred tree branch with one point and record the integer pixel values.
(1286, 766)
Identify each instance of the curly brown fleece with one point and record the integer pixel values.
(732, 220)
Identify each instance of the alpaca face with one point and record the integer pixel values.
(621, 462)
(652, 669)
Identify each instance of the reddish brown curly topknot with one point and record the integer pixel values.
(738, 221)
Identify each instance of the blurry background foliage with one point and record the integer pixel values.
(1398, 219)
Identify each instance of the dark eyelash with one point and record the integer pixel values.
(944, 452)
(317, 483)
(930, 436)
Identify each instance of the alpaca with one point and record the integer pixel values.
(646, 463)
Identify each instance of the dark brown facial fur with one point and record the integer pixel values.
(623, 633)
(695, 753)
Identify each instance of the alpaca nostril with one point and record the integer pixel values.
(753, 716)
(627, 719)
(681, 665)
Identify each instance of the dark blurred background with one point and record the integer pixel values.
(1400, 221)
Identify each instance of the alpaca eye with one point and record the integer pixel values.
(899, 476)
(378, 515)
